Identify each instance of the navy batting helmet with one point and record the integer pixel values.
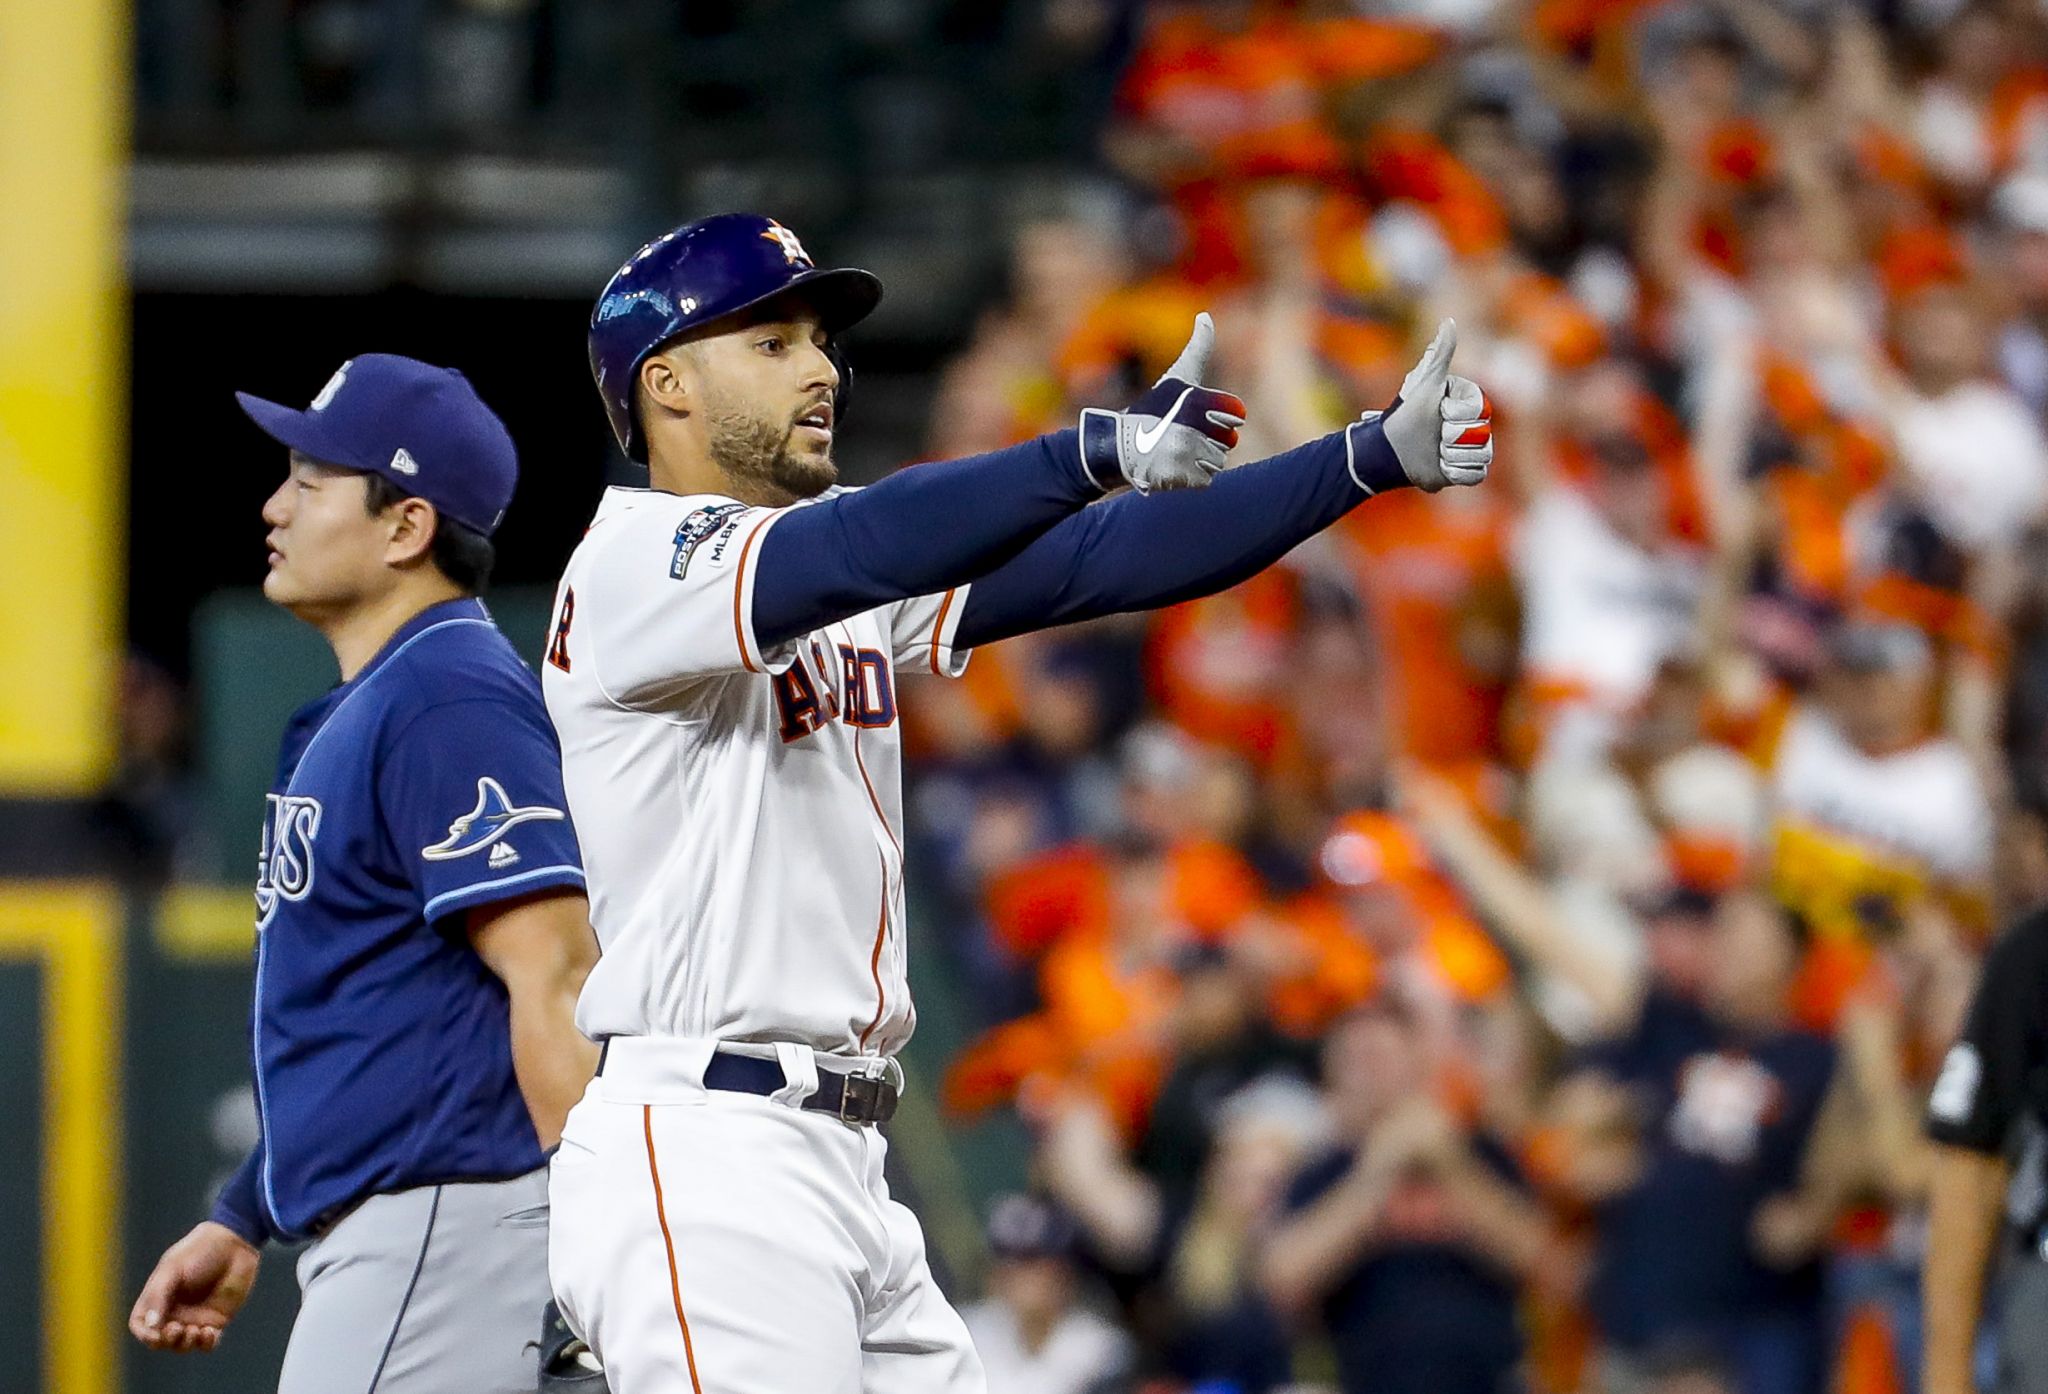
(700, 272)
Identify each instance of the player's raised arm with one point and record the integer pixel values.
(940, 525)
(1133, 555)
(715, 350)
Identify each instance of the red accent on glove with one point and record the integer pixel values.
(1205, 400)
(1481, 431)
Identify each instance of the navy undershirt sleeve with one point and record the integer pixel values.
(918, 532)
(1137, 553)
(238, 1206)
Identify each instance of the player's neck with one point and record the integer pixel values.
(699, 474)
(359, 632)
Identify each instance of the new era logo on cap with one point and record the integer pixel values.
(404, 463)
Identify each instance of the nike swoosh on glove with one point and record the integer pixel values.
(1441, 426)
(1177, 436)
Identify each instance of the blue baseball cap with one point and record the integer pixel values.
(419, 426)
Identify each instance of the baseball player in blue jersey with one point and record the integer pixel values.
(723, 672)
(422, 932)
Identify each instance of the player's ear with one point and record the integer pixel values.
(665, 379)
(413, 522)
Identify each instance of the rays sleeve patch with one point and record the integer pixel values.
(494, 815)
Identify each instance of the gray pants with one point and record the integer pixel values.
(2023, 1328)
(431, 1291)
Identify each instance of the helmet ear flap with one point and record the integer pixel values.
(844, 395)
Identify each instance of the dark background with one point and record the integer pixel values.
(202, 469)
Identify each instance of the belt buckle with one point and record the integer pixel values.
(860, 1098)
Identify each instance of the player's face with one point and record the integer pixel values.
(764, 393)
(326, 548)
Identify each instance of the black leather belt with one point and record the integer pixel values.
(855, 1099)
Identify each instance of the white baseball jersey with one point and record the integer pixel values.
(741, 812)
(1915, 812)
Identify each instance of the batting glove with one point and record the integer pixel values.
(1176, 436)
(1441, 426)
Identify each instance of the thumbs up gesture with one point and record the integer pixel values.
(1441, 426)
(1177, 436)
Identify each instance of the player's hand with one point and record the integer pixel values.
(196, 1289)
(1441, 426)
(1176, 436)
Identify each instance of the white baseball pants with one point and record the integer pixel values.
(711, 1242)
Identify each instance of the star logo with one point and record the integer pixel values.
(792, 250)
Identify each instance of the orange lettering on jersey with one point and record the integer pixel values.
(558, 646)
(870, 699)
(864, 694)
(797, 700)
(823, 669)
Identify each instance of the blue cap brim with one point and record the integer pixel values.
(295, 429)
(843, 296)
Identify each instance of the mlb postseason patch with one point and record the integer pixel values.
(698, 526)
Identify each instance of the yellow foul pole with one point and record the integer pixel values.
(63, 326)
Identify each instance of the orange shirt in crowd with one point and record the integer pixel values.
(1217, 666)
(1657, 429)
(1413, 166)
(1250, 98)
(1105, 1007)
(1146, 324)
(1068, 893)
(1435, 578)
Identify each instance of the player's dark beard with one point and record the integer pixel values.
(754, 450)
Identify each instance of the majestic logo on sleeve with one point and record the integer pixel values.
(494, 815)
(698, 526)
(284, 866)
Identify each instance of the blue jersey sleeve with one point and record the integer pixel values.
(472, 794)
(1135, 553)
(919, 532)
(239, 1205)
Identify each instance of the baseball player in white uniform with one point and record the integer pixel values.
(722, 670)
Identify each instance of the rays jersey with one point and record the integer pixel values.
(740, 812)
(426, 786)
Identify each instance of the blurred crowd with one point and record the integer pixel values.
(1508, 945)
